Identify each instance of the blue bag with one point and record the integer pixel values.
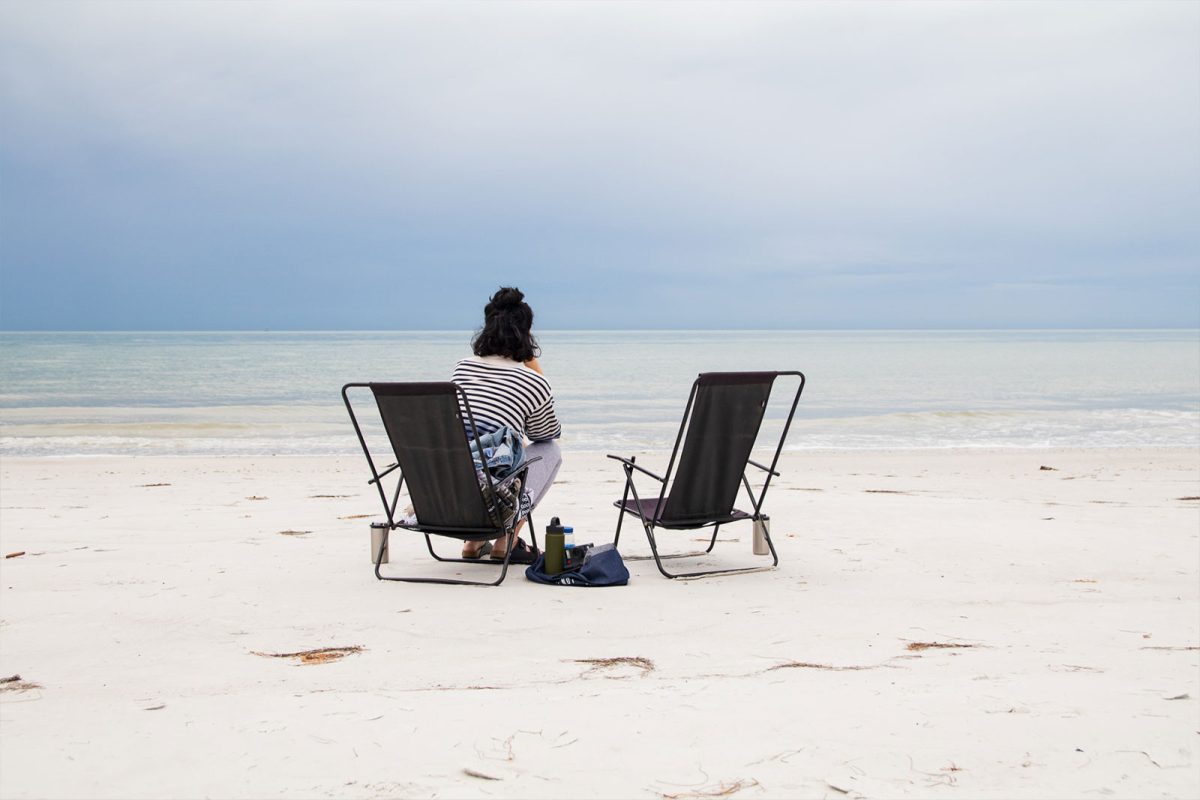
(601, 567)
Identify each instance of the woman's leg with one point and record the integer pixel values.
(542, 473)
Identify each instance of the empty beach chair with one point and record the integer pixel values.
(722, 419)
(427, 431)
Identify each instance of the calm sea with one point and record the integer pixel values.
(66, 394)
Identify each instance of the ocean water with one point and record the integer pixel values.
(69, 394)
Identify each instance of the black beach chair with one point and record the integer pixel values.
(722, 419)
(425, 426)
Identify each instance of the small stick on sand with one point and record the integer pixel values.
(720, 790)
(483, 776)
(810, 665)
(1190, 647)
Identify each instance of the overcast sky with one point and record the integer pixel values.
(629, 165)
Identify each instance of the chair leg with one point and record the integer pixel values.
(716, 528)
(450, 581)
(654, 550)
(455, 582)
(702, 573)
(648, 526)
(770, 544)
(532, 531)
(429, 546)
(379, 555)
(624, 498)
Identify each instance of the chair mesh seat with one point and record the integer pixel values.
(652, 510)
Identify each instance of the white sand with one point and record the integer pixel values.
(137, 611)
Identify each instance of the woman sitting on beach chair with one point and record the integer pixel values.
(505, 386)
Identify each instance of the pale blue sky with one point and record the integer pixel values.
(635, 165)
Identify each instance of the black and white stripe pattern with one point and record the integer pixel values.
(505, 392)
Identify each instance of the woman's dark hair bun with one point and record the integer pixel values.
(507, 298)
(507, 327)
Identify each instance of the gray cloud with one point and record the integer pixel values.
(902, 163)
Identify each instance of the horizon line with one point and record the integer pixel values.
(597, 330)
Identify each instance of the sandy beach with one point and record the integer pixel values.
(969, 623)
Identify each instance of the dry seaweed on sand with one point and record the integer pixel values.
(597, 664)
(20, 686)
(918, 646)
(13, 683)
(294, 533)
(321, 655)
(151, 485)
(720, 790)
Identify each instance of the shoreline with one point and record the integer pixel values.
(665, 452)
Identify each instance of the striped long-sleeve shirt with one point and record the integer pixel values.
(506, 392)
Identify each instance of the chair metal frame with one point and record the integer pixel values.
(488, 494)
(630, 465)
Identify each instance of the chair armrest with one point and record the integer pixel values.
(392, 468)
(764, 469)
(629, 462)
(517, 473)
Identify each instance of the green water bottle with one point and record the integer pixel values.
(554, 547)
